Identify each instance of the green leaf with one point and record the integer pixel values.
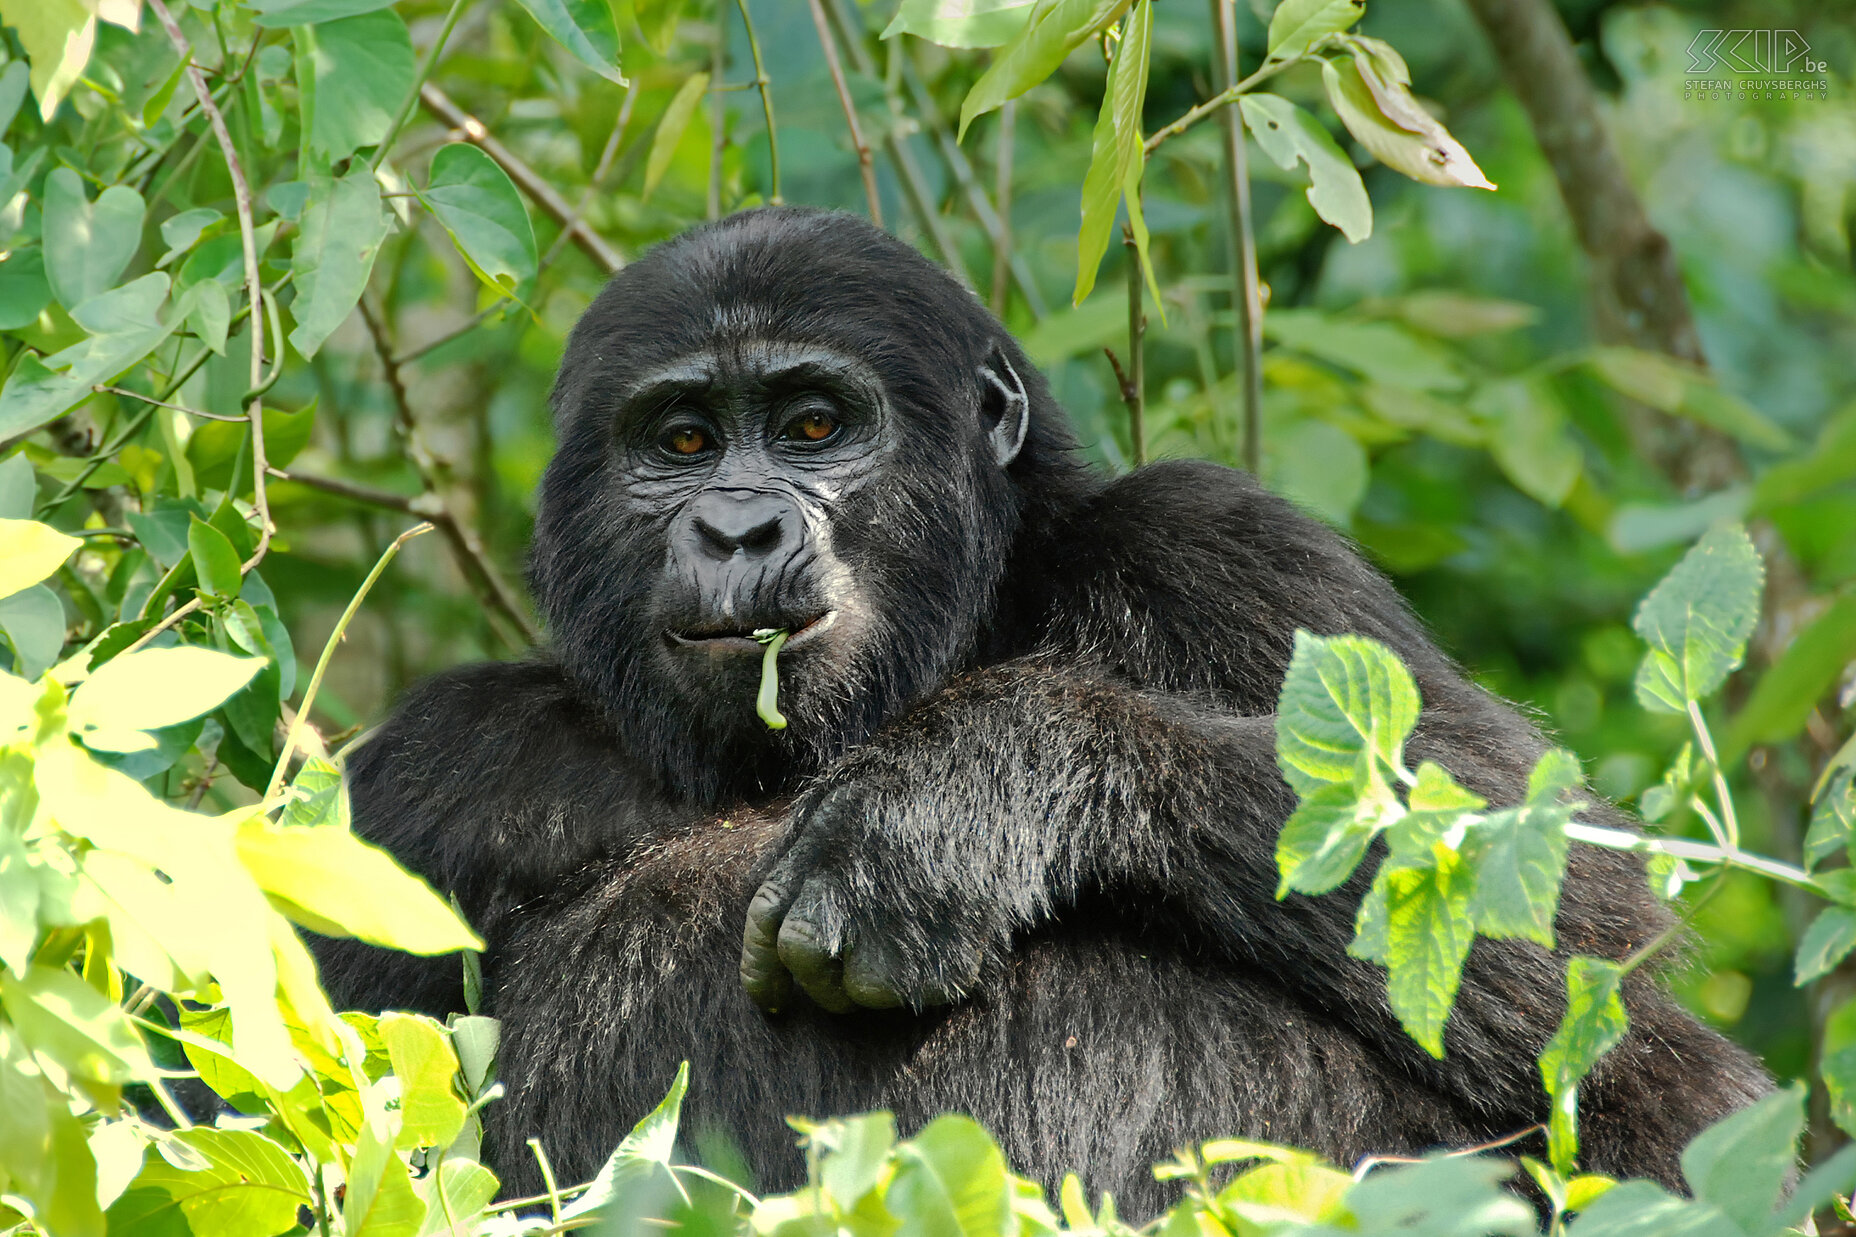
(126, 326)
(1519, 855)
(275, 13)
(583, 27)
(1530, 437)
(380, 1201)
(19, 904)
(87, 244)
(215, 562)
(481, 211)
(241, 1184)
(1346, 706)
(1288, 134)
(331, 882)
(1427, 936)
(468, 1187)
(854, 1153)
(1297, 25)
(1382, 351)
(361, 68)
(1698, 619)
(33, 623)
(1383, 117)
(1833, 818)
(1054, 30)
(70, 1022)
(43, 1147)
(153, 688)
(1826, 942)
(644, 1151)
(1116, 150)
(671, 127)
(1740, 1163)
(342, 229)
(1297, 1193)
(1594, 1023)
(950, 1182)
(1808, 669)
(57, 36)
(960, 23)
(321, 799)
(1324, 840)
(431, 1114)
(31, 551)
(24, 290)
(1837, 1064)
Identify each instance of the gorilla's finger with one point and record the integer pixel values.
(818, 971)
(872, 976)
(763, 975)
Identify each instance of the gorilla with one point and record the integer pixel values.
(1012, 853)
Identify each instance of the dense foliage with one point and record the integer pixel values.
(265, 322)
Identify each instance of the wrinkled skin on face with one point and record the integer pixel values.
(738, 420)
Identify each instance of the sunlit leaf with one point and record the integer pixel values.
(1384, 118)
(1346, 705)
(1287, 135)
(73, 1024)
(248, 1186)
(1115, 161)
(951, 1179)
(483, 214)
(1297, 25)
(1593, 1025)
(431, 1114)
(31, 551)
(152, 688)
(1698, 619)
(671, 127)
(1324, 840)
(57, 36)
(960, 23)
(1427, 937)
(1055, 29)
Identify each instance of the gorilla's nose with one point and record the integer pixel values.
(750, 523)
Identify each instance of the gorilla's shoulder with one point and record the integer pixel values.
(481, 746)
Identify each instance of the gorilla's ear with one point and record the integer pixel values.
(1004, 407)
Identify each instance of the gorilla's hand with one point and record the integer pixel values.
(872, 906)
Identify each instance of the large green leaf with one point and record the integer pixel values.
(671, 126)
(87, 244)
(951, 1182)
(351, 77)
(238, 1184)
(276, 13)
(960, 23)
(1116, 155)
(1289, 134)
(480, 209)
(1593, 1025)
(1519, 855)
(1346, 706)
(343, 226)
(1741, 1163)
(57, 36)
(583, 27)
(1424, 938)
(380, 1201)
(643, 1152)
(431, 1114)
(31, 551)
(1698, 619)
(152, 688)
(126, 325)
(73, 1024)
(1324, 840)
(1055, 29)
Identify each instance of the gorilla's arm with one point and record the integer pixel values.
(465, 785)
(1129, 763)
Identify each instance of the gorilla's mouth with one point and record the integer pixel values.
(738, 636)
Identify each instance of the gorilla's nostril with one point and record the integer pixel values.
(729, 524)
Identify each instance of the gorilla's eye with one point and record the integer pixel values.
(815, 426)
(686, 441)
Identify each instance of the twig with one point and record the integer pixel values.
(547, 1178)
(412, 96)
(104, 388)
(1246, 286)
(608, 155)
(254, 285)
(766, 104)
(1368, 1163)
(1002, 195)
(1134, 384)
(466, 546)
(915, 188)
(1222, 99)
(544, 195)
(294, 734)
(866, 166)
(718, 112)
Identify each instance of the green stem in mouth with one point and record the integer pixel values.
(768, 702)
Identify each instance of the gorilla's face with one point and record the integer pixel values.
(788, 420)
(741, 461)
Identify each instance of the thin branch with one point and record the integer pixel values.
(104, 388)
(1223, 98)
(1002, 195)
(718, 112)
(608, 155)
(485, 580)
(1134, 383)
(866, 166)
(294, 734)
(1246, 286)
(254, 285)
(412, 96)
(766, 104)
(604, 254)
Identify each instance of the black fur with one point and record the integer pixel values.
(1035, 779)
